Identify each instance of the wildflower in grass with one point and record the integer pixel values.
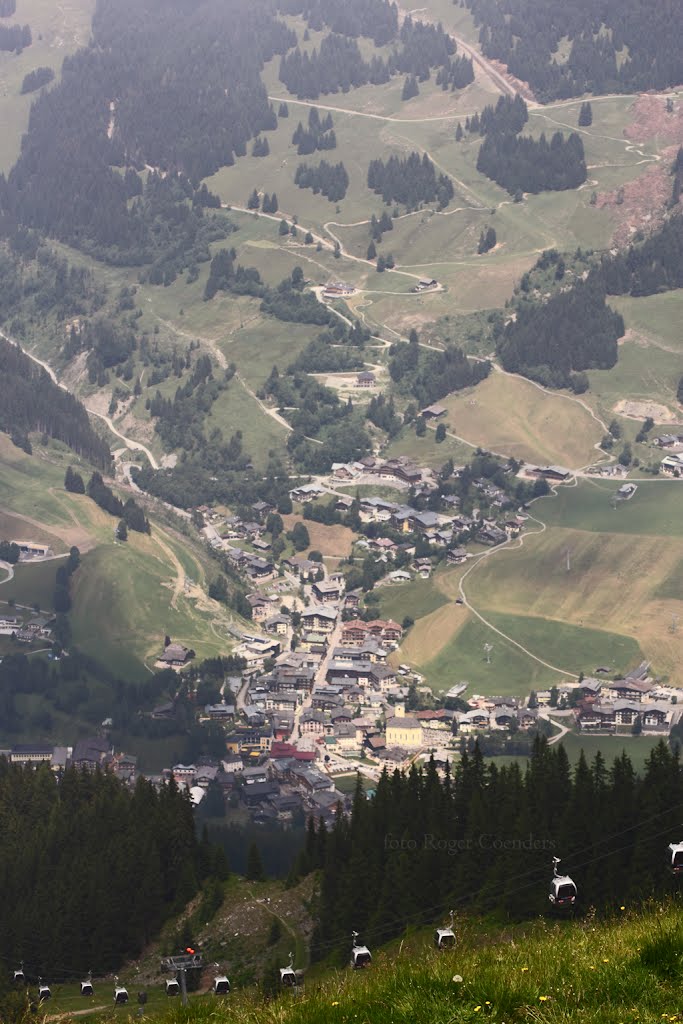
(457, 977)
(336, 1002)
(622, 908)
(543, 999)
(524, 969)
(477, 1009)
(605, 960)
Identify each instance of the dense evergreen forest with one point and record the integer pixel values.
(30, 401)
(338, 64)
(616, 46)
(428, 376)
(522, 164)
(655, 265)
(484, 839)
(91, 870)
(15, 37)
(66, 181)
(574, 330)
(411, 180)
(7, 8)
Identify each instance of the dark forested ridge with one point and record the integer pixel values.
(117, 106)
(30, 400)
(525, 35)
(485, 838)
(91, 870)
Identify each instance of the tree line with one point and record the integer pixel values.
(92, 870)
(129, 511)
(483, 839)
(31, 401)
(410, 181)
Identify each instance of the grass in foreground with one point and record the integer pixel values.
(549, 972)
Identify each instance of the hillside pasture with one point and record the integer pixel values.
(513, 416)
(620, 581)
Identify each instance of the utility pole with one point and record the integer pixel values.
(183, 986)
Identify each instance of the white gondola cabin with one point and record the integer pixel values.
(221, 985)
(43, 991)
(19, 977)
(172, 987)
(675, 858)
(288, 978)
(86, 987)
(360, 955)
(444, 938)
(120, 993)
(562, 889)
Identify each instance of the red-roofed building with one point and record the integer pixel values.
(288, 750)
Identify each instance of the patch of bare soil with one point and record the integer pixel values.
(517, 84)
(641, 204)
(644, 410)
(651, 119)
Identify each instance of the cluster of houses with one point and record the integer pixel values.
(634, 701)
(26, 631)
(91, 753)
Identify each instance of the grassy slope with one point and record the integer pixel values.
(625, 969)
(126, 596)
(513, 416)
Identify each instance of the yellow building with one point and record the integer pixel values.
(404, 731)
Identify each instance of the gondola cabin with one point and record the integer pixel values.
(120, 995)
(675, 858)
(172, 987)
(562, 889)
(19, 977)
(221, 985)
(86, 988)
(444, 938)
(288, 977)
(44, 992)
(360, 955)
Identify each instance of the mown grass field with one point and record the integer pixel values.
(511, 415)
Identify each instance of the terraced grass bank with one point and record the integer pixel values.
(625, 970)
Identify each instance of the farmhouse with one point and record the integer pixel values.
(365, 379)
(176, 655)
(672, 465)
(433, 412)
(306, 492)
(558, 473)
